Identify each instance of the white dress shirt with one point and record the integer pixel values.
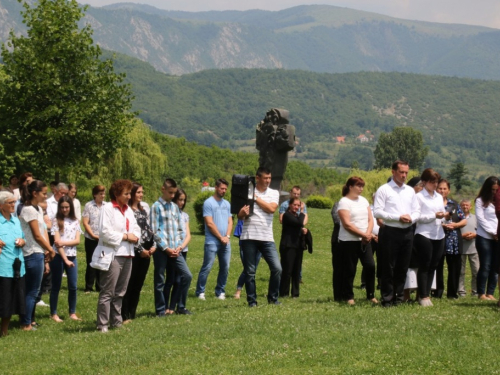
(393, 201)
(486, 220)
(427, 223)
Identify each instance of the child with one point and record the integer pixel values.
(66, 232)
(173, 278)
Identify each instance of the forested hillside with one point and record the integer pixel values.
(459, 118)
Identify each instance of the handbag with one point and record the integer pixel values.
(102, 258)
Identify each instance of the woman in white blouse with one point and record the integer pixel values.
(118, 230)
(356, 224)
(429, 233)
(487, 239)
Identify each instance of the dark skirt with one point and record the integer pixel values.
(12, 296)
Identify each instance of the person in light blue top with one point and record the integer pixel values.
(12, 270)
(218, 226)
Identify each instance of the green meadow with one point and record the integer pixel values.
(308, 335)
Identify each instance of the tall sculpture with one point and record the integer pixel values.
(275, 137)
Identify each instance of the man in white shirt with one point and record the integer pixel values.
(257, 236)
(396, 205)
(60, 191)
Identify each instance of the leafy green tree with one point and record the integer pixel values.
(458, 176)
(403, 143)
(60, 101)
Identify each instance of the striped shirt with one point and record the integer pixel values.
(259, 226)
(166, 224)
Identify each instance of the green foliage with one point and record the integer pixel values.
(403, 143)
(198, 209)
(318, 201)
(59, 100)
(458, 176)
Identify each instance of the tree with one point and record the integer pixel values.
(402, 143)
(60, 101)
(458, 174)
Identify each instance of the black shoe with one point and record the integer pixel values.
(183, 312)
(274, 302)
(363, 286)
(253, 304)
(386, 304)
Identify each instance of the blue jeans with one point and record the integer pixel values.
(268, 250)
(160, 259)
(223, 252)
(57, 267)
(241, 279)
(487, 275)
(35, 265)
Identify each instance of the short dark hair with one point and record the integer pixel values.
(397, 163)
(98, 189)
(118, 187)
(444, 181)
(220, 182)
(430, 175)
(169, 183)
(12, 177)
(263, 170)
(296, 187)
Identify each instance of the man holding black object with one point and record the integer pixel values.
(396, 205)
(257, 236)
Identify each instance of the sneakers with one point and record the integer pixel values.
(201, 296)
(183, 312)
(42, 304)
(221, 296)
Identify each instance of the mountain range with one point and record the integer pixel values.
(316, 38)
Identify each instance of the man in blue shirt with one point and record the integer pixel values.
(218, 226)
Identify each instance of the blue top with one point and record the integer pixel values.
(284, 207)
(220, 212)
(166, 223)
(10, 230)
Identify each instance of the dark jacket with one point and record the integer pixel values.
(306, 241)
(292, 228)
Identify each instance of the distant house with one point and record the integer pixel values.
(341, 139)
(363, 138)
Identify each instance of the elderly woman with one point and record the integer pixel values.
(290, 248)
(355, 235)
(12, 287)
(90, 221)
(118, 230)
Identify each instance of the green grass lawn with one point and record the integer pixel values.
(308, 335)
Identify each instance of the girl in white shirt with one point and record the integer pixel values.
(487, 239)
(66, 232)
(429, 233)
(356, 224)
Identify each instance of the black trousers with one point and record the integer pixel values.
(291, 264)
(454, 263)
(430, 252)
(140, 267)
(350, 252)
(393, 259)
(374, 246)
(91, 274)
(336, 265)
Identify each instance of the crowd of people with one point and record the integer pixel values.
(411, 228)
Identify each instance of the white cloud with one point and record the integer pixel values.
(478, 12)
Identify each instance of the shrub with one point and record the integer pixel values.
(317, 201)
(198, 209)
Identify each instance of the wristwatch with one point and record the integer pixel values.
(228, 236)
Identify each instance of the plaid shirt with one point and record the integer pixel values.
(166, 224)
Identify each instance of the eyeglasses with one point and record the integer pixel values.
(13, 202)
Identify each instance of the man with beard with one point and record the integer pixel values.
(218, 226)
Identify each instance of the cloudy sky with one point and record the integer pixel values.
(472, 12)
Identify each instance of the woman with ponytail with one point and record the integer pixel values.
(37, 251)
(356, 224)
